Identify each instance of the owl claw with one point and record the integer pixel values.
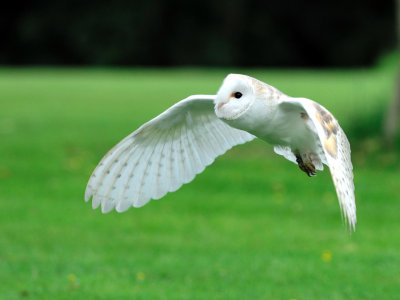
(307, 166)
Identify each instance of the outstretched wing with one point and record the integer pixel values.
(336, 148)
(161, 155)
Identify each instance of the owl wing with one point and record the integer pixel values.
(336, 148)
(162, 155)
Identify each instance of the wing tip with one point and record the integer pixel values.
(105, 209)
(122, 207)
(351, 224)
(350, 219)
(88, 194)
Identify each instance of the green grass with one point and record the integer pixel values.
(252, 226)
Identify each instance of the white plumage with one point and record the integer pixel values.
(172, 148)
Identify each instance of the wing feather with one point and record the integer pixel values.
(129, 178)
(222, 134)
(197, 143)
(148, 173)
(213, 150)
(176, 178)
(157, 170)
(106, 182)
(161, 155)
(193, 155)
(141, 164)
(186, 165)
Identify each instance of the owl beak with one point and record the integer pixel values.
(221, 104)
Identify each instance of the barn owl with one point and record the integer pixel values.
(169, 150)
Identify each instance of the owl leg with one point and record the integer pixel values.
(306, 166)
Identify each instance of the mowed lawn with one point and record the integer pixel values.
(252, 226)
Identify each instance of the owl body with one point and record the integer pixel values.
(278, 125)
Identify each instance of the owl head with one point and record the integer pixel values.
(234, 97)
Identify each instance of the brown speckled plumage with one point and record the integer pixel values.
(330, 128)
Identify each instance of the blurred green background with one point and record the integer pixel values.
(251, 226)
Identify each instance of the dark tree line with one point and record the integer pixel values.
(208, 32)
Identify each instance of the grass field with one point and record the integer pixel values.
(252, 226)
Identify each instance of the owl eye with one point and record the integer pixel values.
(238, 95)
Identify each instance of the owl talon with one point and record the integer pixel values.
(307, 166)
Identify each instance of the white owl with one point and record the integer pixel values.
(172, 148)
